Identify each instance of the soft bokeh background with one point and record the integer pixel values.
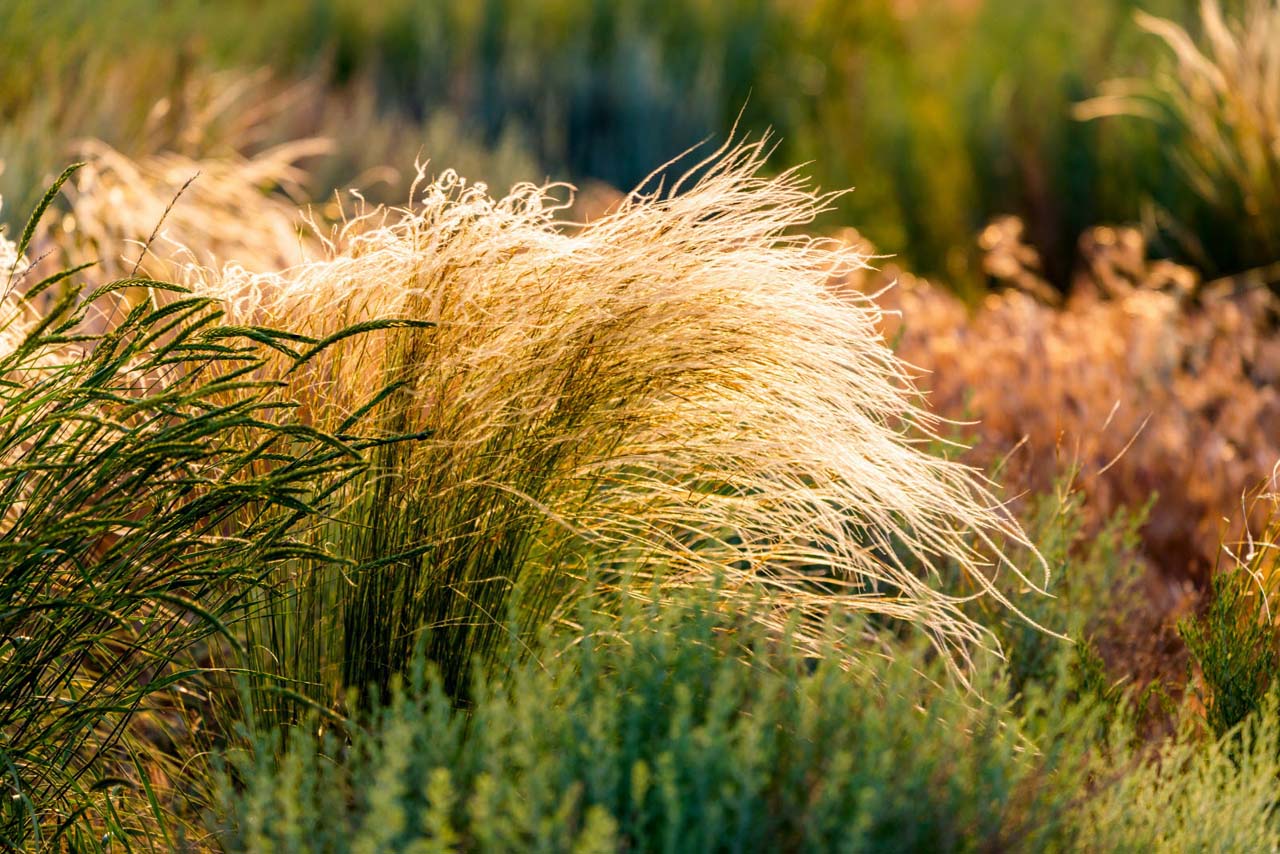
(941, 114)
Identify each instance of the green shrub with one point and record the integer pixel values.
(1095, 578)
(1093, 588)
(1235, 646)
(1192, 796)
(683, 726)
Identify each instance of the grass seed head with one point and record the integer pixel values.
(672, 388)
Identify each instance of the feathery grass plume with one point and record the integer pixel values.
(671, 388)
(146, 478)
(1223, 98)
(150, 215)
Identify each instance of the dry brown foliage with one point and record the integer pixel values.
(1151, 384)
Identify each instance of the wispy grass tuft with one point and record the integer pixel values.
(672, 386)
(159, 212)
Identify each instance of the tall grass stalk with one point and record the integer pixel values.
(672, 386)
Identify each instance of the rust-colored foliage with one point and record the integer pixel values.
(1146, 380)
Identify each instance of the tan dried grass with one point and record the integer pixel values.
(671, 389)
(159, 214)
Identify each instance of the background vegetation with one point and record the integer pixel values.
(941, 115)
(470, 525)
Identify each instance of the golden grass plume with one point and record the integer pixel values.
(162, 212)
(672, 387)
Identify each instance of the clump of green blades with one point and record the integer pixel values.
(148, 482)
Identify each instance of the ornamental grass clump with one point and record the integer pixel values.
(147, 481)
(669, 390)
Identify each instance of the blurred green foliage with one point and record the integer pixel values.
(941, 115)
(683, 727)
